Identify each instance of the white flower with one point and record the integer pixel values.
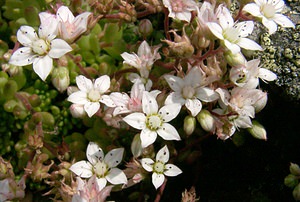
(91, 94)
(205, 14)
(189, 90)
(160, 168)
(39, 50)
(70, 27)
(103, 167)
(154, 121)
(233, 35)
(269, 11)
(247, 76)
(180, 9)
(143, 60)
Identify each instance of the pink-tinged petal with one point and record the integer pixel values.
(105, 99)
(148, 137)
(175, 83)
(157, 180)
(64, 14)
(243, 122)
(206, 94)
(172, 170)
(144, 49)
(59, 48)
(81, 21)
(253, 9)
(270, 25)
(116, 176)
(283, 21)
(147, 164)
(266, 74)
(84, 84)
(232, 47)
(249, 44)
(194, 106)
(82, 169)
(42, 66)
(114, 157)
(224, 97)
(78, 97)
(194, 77)
(168, 132)
(163, 155)
(137, 90)
(215, 30)
(136, 120)
(26, 35)
(102, 84)
(101, 182)
(94, 153)
(91, 108)
(22, 56)
(149, 103)
(169, 112)
(175, 97)
(131, 59)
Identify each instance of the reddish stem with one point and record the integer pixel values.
(160, 191)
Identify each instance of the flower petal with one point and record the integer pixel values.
(147, 137)
(101, 182)
(102, 84)
(82, 169)
(84, 84)
(105, 99)
(22, 56)
(175, 97)
(194, 106)
(253, 9)
(249, 44)
(163, 155)
(144, 50)
(78, 97)
(157, 180)
(114, 157)
(26, 35)
(266, 74)
(136, 120)
(215, 29)
(225, 17)
(283, 20)
(42, 66)
(169, 112)
(206, 94)
(94, 153)
(232, 47)
(147, 164)
(131, 59)
(168, 132)
(175, 83)
(91, 108)
(116, 176)
(64, 14)
(193, 78)
(270, 25)
(172, 170)
(59, 48)
(149, 103)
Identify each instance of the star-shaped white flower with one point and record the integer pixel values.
(247, 75)
(188, 91)
(153, 121)
(233, 35)
(91, 94)
(103, 167)
(143, 60)
(180, 9)
(269, 11)
(160, 167)
(39, 50)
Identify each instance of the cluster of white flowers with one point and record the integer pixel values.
(230, 108)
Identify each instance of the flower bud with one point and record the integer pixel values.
(189, 125)
(206, 120)
(296, 192)
(61, 78)
(145, 27)
(235, 59)
(261, 102)
(77, 111)
(136, 146)
(258, 131)
(34, 100)
(294, 169)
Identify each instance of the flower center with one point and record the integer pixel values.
(94, 96)
(231, 34)
(177, 5)
(268, 10)
(40, 47)
(159, 167)
(188, 92)
(100, 169)
(153, 122)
